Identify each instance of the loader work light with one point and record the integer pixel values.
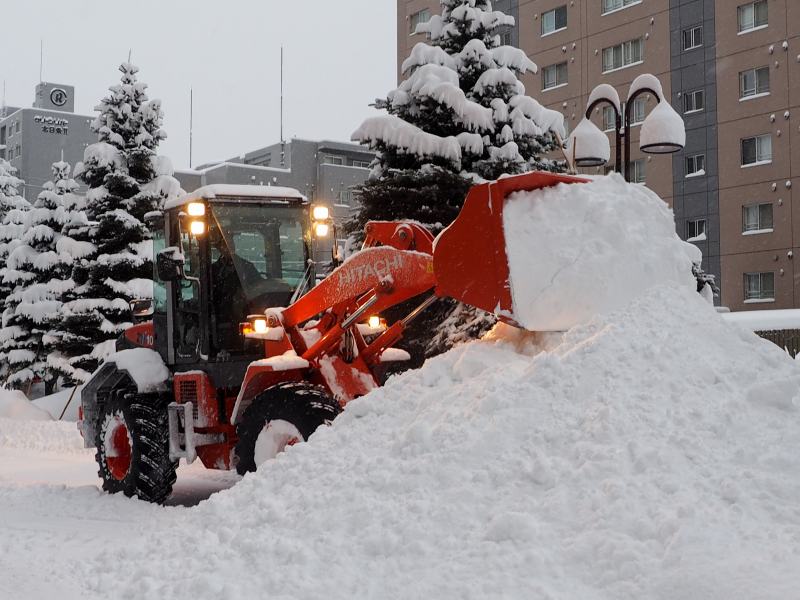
(260, 326)
(196, 209)
(374, 322)
(320, 213)
(197, 227)
(321, 229)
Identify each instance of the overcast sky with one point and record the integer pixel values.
(339, 55)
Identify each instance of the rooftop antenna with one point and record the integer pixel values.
(129, 55)
(283, 142)
(191, 123)
(41, 58)
(3, 106)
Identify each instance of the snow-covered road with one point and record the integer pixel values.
(54, 517)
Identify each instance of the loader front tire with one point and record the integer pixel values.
(281, 416)
(133, 446)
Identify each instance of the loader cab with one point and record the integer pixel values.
(222, 254)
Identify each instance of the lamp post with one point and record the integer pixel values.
(662, 131)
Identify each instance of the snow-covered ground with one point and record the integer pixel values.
(54, 520)
(651, 453)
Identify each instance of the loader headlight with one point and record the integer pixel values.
(197, 227)
(260, 326)
(196, 209)
(320, 213)
(374, 322)
(321, 229)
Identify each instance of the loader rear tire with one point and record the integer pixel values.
(287, 413)
(133, 446)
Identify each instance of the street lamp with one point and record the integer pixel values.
(662, 131)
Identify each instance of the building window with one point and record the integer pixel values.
(623, 55)
(637, 114)
(638, 171)
(693, 37)
(554, 76)
(609, 118)
(759, 286)
(694, 101)
(696, 164)
(505, 38)
(612, 5)
(695, 230)
(554, 20)
(363, 164)
(330, 159)
(757, 150)
(757, 217)
(752, 15)
(754, 82)
(418, 18)
(637, 111)
(17, 126)
(345, 198)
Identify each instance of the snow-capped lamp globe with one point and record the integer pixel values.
(588, 146)
(662, 131)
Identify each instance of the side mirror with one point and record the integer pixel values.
(169, 264)
(142, 308)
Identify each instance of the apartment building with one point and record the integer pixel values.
(731, 68)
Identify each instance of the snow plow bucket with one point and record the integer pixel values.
(470, 262)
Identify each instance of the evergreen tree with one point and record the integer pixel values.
(13, 214)
(33, 266)
(122, 172)
(460, 116)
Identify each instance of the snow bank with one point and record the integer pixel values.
(577, 250)
(55, 403)
(642, 455)
(15, 405)
(54, 436)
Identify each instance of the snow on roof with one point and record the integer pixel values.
(766, 320)
(210, 192)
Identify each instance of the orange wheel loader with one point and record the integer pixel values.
(245, 353)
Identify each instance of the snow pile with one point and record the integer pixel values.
(14, 405)
(576, 250)
(54, 436)
(651, 453)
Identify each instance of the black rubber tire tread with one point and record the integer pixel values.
(152, 473)
(302, 404)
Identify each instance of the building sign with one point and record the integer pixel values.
(58, 96)
(56, 125)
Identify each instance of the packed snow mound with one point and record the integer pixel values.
(650, 453)
(56, 436)
(15, 405)
(578, 250)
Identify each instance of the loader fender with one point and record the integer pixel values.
(263, 374)
(149, 375)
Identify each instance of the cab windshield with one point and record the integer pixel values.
(258, 258)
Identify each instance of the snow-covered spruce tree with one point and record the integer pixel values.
(13, 215)
(460, 116)
(126, 180)
(35, 266)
